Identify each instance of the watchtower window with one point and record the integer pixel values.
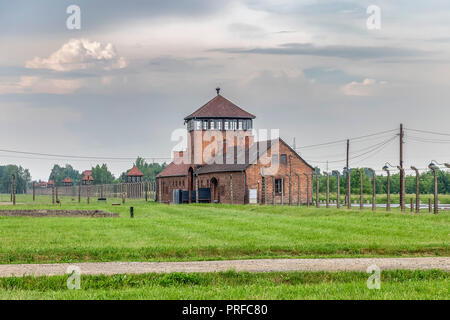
(211, 125)
(283, 159)
(205, 124)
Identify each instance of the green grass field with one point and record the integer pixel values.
(397, 284)
(160, 232)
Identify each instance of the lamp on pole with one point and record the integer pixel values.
(338, 191)
(361, 199)
(417, 189)
(388, 188)
(349, 204)
(374, 189)
(307, 189)
(434, 168)
(327, 200)
(402, 190)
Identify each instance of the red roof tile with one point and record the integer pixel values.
(174, 170)
(219, 107)
(50, 181)
(135, 172)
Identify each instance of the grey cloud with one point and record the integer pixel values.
(339, 51)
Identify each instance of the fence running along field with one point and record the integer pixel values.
(138, 190)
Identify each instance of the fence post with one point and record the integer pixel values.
(317, 190)
(231, 189)
(374, 189)
(53, 192)
(412, 205)
(13, 189)
(79, 192)
(429, 205)
(196, 189)
(299, 198)
(87, 194)
(327, 199)
(417, 189)
(290, 189)
(146, 191)
(273, 190)
(282, 191)
(338, 190)
(361, 199)
(307, 189)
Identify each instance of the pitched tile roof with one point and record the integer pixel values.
(68, 180)
(220, 107)
(135, 172)
(174, 170)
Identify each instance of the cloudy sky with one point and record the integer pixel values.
(122, 83)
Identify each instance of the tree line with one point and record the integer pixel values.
(100, 175)
(426, 182)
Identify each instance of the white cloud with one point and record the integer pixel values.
(367, 87)
(80, 54)
(34, 84)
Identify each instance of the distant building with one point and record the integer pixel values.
(50, 183)
(87, 177)
(67, 182)
(236, 169)
(43, 184)
(134, 175)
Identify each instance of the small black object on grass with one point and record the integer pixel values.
(131, 212)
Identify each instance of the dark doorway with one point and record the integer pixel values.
(215, 197)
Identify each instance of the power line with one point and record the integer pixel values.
(430, 132)
(78, 157)
(345, 140)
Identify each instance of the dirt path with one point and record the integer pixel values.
(262, 265)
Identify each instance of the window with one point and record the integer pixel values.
(283, 159)
(233, 124)
(205, 124)
(278, 186)
(226, 125)
(198, 125)
(219, 124)
(211, 124)
(240, 125)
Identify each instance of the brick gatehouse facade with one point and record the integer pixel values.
(223, 163)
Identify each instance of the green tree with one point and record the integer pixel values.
(150, 170)
(58, 174)
(22, 175)
(102, 175)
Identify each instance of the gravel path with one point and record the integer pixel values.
(260, 265)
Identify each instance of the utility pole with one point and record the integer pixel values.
(402, 172)
(349, 205)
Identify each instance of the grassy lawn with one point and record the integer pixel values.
(206, 232)
(234, 285)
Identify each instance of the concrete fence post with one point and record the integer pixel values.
(307, 190)
(34, 191)
(327, 198)
(13, 189)
(299, 198)
(317, 190)
(231, 189)
(417, 189)
(361, 198)
(273, 190)
(338, 189)
(374, 189)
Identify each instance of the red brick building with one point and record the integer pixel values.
(134, 175)
(87, 177)
(67, 182)
(224, 164)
